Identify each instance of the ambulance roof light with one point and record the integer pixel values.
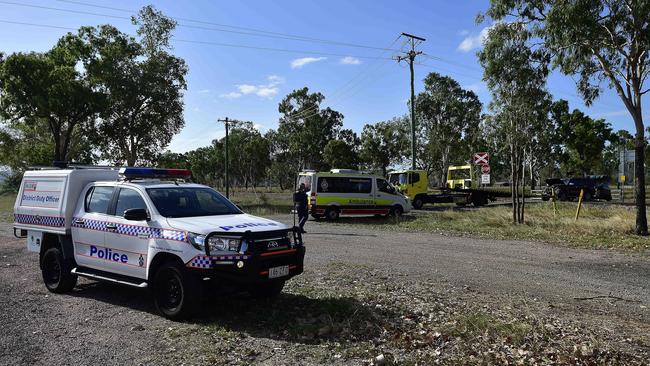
(144, 173)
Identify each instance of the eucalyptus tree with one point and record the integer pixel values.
(516, 76)
(599, 41)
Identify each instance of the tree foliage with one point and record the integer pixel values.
(448, 119)
(584, 140)
(46, 92)
(384, 143)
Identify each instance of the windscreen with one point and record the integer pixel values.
(306, 180)
(459, 174)
(190, 202)
(397, 179)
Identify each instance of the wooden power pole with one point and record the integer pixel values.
(227, 123)
(410, 57)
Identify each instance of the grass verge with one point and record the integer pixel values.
(600, 226)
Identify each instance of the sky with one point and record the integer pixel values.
(245, 56)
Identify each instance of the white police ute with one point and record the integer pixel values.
(147, 227)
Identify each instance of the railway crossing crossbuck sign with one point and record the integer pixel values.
(482, 158)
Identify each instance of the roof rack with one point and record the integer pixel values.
(57, 165)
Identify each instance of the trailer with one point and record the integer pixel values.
(460, 188)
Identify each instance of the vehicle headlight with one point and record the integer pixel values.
(223, 244)
(197, 241)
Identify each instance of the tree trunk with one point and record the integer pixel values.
(639, 183)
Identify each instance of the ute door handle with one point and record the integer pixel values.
(79, 222)
(111, 226)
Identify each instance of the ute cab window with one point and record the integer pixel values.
(98, 198)
(128, 199)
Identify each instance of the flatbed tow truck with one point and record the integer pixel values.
(461, 187)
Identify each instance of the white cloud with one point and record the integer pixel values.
(267, 90)
(474, 41)
(463, 32)
(259, 127)
(275, 80)
(300, 62)
(196, 109)
(231, 95)
(204, 91)
(246, 88)
(349, 60)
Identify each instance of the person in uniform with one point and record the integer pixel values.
(300, 203)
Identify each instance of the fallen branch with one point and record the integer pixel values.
(605, 297)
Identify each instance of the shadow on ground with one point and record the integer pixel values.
(289, 317)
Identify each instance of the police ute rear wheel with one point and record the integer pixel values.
(175, 291)
(267, 290)
(56, 272)
(332, 214)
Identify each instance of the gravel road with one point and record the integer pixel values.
(101, 323)
(495, 266)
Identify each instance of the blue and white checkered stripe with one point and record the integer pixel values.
(203, 261)
(52, 221)
(90, 224)
(133, 230)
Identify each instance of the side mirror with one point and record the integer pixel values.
(136, 214)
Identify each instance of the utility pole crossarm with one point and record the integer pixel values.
(410, 57)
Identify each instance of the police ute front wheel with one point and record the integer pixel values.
(56, 272)
(176, 292)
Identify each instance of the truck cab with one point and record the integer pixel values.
(460, 177)
(145, 227)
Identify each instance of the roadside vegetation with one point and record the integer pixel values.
(600, 226)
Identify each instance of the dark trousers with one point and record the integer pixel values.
(302, 216)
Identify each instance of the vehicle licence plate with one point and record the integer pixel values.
(276, 272)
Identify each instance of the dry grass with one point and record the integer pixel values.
(599, 226)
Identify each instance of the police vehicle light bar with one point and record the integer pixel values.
(133, 173)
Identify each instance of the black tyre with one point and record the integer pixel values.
(266, 290)
(332, 214)
(396, 211)
(418, 203)
(176, 292)
(56, 272)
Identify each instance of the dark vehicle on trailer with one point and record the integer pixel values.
(568, 189)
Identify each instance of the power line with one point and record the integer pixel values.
(215, 43)
(260, 31)
(250, 32)
(350, 85)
